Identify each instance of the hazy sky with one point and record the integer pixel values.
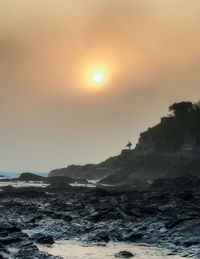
(50, 111)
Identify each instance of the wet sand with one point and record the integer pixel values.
(77, 250)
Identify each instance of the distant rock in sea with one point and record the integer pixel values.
(31, 177)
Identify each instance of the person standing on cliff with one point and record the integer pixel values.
(129, 145)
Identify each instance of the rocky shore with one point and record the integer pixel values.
(165, 214)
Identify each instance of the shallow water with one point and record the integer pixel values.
(93, 181)
(19, 184)
(77, 250)
(90, 185)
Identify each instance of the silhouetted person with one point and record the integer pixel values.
(129, 145)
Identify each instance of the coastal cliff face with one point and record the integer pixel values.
(171, 148)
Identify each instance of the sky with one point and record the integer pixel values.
(52, 113)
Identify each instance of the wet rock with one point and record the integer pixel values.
(124, 254)
(98, 236)
(133, 237)
(103, 236)
(8, 188)
(42, 239)
(4, 254)
(173, 223)
(192, 241)
(9, 240)
(26, 193)
(9, 235)
(32, 252)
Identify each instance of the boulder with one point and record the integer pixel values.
(124, 254)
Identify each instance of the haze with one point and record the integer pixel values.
(50, 116)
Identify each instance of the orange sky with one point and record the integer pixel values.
(51, 115)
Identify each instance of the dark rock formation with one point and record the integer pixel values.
(16, 244)
(124, 254)
(31, 177)
(43, 239)
(89, 171)
(169, 149)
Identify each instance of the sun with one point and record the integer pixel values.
(98, 77)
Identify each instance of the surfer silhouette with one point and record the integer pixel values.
(129, 145)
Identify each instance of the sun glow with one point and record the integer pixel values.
(96, 77)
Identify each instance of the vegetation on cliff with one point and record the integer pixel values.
(182, 122)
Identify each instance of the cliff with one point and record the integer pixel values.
(169, 149)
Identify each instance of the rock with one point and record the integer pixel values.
(8, 188)
(4, 254)
(63, 181)
(9, 235)
(22, 247)
(59, 180)
(32, 252)
(31, 177)
(133, 237)
(173, 223)
(192, 241)
(10, 240)
(124, 254)
(42, 239)
(103, 236)
(98, 236)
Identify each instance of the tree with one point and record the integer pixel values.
(196, 106)
(180, 109)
